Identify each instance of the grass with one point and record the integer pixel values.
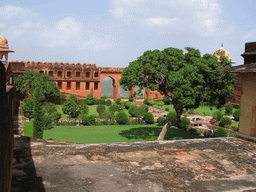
(28, 129)
(109, 134)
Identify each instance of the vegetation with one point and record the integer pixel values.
(28, 82)
(218, 115)
(149, 118)
(108, 102)
(221, 132)
(38, 114)
(28, 107)
(121, 118)
(133, 110)
(70, 108)
(49, 108)
(118, 100)
(101, 109)
(161, 121)
(236, 114)
(90, 99)
(128, 104)
(225, 121)
(228, 109)
(171, 116)
(184, 122)
(183, 78)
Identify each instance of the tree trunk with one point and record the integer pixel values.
(179, 111)
(163, 132)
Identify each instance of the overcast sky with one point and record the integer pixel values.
(114, 33)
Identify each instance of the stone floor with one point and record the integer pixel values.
(217, 164)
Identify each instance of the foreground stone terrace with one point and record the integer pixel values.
(218, 164)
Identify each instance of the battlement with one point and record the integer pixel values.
(111, 69)
(33, 64)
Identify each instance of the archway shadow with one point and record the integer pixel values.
(153, 132)
(24, 177)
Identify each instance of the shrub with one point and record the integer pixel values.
(225, 121)
(166, 101)
(49, 107)
(151, 102)
(56, 116)
(161, 121)
(99, 101)
(81, 101)
(167, 109)
(145, 101)
(72, 97)
(127, 104)
(221, 132)
(101, 109)
(208, 134)
(104, 97)
(113, 107)
(149, 118)
(47, 122)
(171, 116)
(218, 115)
(236, 114)
(235, 105)
(144, 108)
(70, 108)
(131, 98)
(108, 102)
(228, 109)
(92, 120)
(232, 135)
(160, 103)
(85, 120)
(83, 109)
(121, 118)
(184, 121)
(28, 107)
(90, 99)
(133, 110)
(107, 114)
(205, 114)
(118, 101)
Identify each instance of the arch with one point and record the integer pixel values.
(115, 77)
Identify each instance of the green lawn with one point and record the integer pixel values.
(28, 129)
(92, 111)
(110, 133)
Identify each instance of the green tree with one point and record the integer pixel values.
(70, 108)
(28, 82)
(49, 108)
(28, 107)
(184, 79)
(90, 99)
(38, 114)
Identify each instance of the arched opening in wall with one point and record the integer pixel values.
(4, 60)
(141, 94)
(107, 87)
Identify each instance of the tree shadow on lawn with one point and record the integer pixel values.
(153, 132)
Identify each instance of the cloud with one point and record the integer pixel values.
(98, 42)
(10, 11)
(203, 17)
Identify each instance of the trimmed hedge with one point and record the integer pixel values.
(218, 115)
(235, 105)
(149, 118)
(225, 121)
(118, 100)
(171, 116)
(121, 118)
(99, 102)
(221, 132)
(108, 102)
(128, 104)
(161, 121)
(184, 122)
(133, 110)
(236, 114)
(101, 109)
(228, 109)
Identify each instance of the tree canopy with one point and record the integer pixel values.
(27, 83)
(184, 78)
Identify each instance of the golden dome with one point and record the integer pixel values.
(3, 42)
(222, 52)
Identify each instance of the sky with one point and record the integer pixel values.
(116, 32)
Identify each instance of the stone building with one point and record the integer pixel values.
(247, 74)
(235, 97)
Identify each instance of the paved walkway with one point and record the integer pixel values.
(219, 164)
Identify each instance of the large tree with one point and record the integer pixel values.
(183, 78)
(27, 83)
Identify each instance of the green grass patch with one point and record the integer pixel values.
(28, 129)
(113, 133)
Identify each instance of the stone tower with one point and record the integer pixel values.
(4, 50)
